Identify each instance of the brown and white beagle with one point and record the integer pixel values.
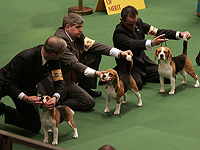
(117, 87)
(169, 66)
(52, 118)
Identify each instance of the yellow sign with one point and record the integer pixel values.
(115, 6)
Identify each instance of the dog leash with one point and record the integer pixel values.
(165, 43)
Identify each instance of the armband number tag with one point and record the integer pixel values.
(88, 43)
(57, 75)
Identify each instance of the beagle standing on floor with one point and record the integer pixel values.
(117, 87)
(52, 118)
(169, 66)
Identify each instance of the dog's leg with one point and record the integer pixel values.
(190, 70)
(162, 89)
(118, 106)
(192, 74)
(172, 80)
(125, 99)
(196, 82)
(133, 87)
(108, 99)
(72, 125)
(45, 129)
(55, 136)
(138, 96)
(183, 73)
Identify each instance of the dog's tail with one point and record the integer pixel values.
(185, 44)
(129, 64)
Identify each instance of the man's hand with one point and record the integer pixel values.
(188, 36)
(125, 53)
(50, 104)
(158, 40)
(33, 100)
(99, 74)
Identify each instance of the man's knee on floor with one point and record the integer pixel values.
(35, 128)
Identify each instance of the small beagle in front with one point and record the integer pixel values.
(117, 87)
(169, 66)
(52, 118)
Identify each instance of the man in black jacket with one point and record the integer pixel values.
(80, 64)
(18, 79)
(130, 35)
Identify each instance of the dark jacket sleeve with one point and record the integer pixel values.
(17, 71)
(124, 39)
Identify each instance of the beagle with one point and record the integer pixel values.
(52, 118)
(116, 87)
(169, 66)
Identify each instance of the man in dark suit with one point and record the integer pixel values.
(130, 35)
(80, 63)
(18, 79)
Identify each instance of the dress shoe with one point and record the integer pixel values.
(2, 106)
(94, 93)
(102, 82)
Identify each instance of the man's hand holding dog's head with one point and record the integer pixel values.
(51, 103)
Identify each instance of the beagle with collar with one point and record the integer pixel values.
(169, 66)
(116, 87)
(52, 118)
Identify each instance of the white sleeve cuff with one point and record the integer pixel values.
(89, 72)
(114, 52)
(57, 96)
(177, 35)
(21, 95)
(148, 45)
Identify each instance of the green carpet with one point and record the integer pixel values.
(167, 122)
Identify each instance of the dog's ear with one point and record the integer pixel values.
(170, 54)
(116, 82)
(156, 54)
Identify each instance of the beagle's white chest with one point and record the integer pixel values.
(165, 69)
(47, 120)
(110, 92)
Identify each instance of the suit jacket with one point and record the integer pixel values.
(25, 70)
(73, 56)
(125, 39)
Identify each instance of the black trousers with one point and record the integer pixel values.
(151, 75)
(91, 60)
(24, 116)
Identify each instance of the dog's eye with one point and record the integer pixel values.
(111, 74)
(159, 51)
(165, 52)
(47, 98)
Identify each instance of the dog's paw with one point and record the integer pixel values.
(75, 136)
(45, 141)
(54, 143)
(162, 90)
(139, 104)
(116, 112)
(106, 110)
(171, 93)
(183, 82)
(197, 84)
(75, 133)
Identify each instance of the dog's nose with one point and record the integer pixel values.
(103, 76)
(161, 55)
